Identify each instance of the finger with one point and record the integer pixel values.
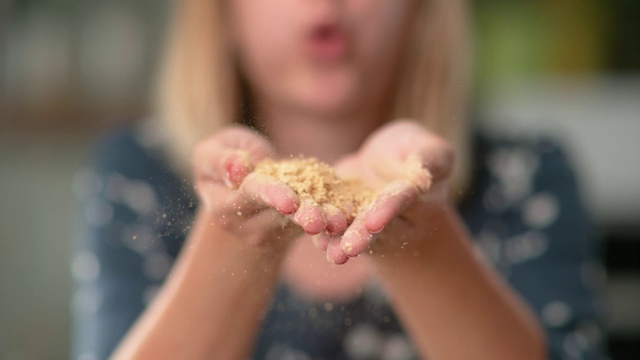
(429, 160)
(420, 152)
(418, 173)
(393, 200)
(336, 219)
(357, 238)
(231, 155)
(413, 168)
(260, 190)
(222, 165)
(334, 252)
(438, 159)
(310, 217)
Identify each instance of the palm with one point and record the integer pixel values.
(411, 166)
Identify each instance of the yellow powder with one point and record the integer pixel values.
(312, 179)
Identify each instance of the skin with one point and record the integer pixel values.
(250, 232)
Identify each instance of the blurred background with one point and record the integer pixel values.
(71, 70)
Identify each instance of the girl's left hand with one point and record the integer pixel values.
(411, 166)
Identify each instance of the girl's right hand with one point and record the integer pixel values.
(259, 211)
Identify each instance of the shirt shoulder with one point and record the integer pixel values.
(126, 151)
(525, 196)
(133, 176)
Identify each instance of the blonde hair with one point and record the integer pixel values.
(199, 89)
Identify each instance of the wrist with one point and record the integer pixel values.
(432, 245)
(237, 241)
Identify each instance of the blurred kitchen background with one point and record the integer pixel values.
(71, 70)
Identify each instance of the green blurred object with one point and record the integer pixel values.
(509, 42)
(577, 36)
(518, 41)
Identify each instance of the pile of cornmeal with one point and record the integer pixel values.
(312, 179)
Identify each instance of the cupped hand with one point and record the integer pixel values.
(411, 166)
(259, 210)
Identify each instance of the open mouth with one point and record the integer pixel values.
(327, 42)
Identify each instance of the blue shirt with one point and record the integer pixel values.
(523, 211)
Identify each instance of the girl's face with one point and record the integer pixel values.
(319, 56)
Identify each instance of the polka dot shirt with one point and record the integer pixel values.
(523, 212)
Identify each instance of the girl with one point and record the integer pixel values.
(247, 80)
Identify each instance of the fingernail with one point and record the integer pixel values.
(229, 175)
(297, 217)
(286, 212)
(237, 173)
(227, 180)
(318, 242)
(288, 207)
(329, 258)
(343, 259)
(315, 240)
(291, 208)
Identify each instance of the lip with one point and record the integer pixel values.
(327, 42)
